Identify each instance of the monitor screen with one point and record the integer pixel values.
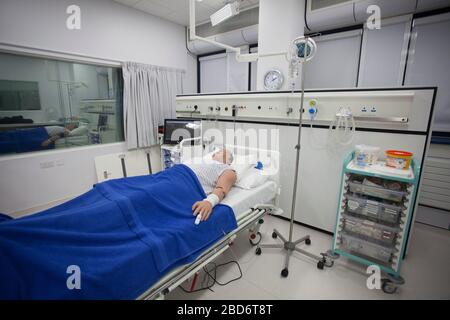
(176, 130)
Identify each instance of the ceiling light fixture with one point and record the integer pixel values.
(229, 10)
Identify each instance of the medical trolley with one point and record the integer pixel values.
(374, 216)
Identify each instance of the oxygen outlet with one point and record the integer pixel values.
(312, 108)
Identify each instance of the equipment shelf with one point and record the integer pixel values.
(374, 215)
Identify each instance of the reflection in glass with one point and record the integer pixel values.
(48, 104)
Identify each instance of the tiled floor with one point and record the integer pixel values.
(425, 269)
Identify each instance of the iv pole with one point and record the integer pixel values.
(290, 245)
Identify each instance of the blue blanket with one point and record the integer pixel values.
(23, 140)
(120, 238)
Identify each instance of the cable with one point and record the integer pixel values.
(221, 265)
(208, 276)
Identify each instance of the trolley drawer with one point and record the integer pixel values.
(378, 192)
(373, 209)
(370, 230)
(360, 247)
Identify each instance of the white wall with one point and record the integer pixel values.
(190, 80)
(24, 184)
(108, 31)
(279, 23)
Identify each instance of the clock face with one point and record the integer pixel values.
(273, 80)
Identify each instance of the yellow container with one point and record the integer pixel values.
(398, 159)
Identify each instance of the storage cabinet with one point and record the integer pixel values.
(375, 213)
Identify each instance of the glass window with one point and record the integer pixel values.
(48, 104)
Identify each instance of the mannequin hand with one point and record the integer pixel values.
(202, 207)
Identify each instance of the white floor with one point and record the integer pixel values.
(425, 269)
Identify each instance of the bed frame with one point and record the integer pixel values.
(251, 220)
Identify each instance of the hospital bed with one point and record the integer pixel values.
(136, 232)
(72, 141)
(249, 207)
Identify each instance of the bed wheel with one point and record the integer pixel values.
(308, 241)
(253, 237)
(284, 273)
(274, 235)
(258, 251)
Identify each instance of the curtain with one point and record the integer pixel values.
(148, 98)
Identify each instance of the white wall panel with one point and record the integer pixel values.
(383, 54)
(429, 65)
(237, 73)
(213, 73)
(335, 64)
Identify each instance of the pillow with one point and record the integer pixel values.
(78, 131)
(241, 164)
(252, 178)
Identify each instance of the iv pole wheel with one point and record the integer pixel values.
(274, 235)
(308, 241)
(258, 251)
(284, 273)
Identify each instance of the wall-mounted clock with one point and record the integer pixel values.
(273, 80)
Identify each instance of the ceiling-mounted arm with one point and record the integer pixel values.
(247, 57)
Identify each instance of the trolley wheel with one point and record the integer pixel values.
(388, 286)
(320, 264)
(274, 235)
(329, 263)
(258, 251)
(308, 241)
(284, 273)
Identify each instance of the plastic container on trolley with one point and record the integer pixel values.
(374, 191)
(370, 230)
(365, 248)
(375, 210)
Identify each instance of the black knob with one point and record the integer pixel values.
(195, 107)
(259, 107)
(226, 108)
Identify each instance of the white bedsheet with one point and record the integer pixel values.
(240, 200)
